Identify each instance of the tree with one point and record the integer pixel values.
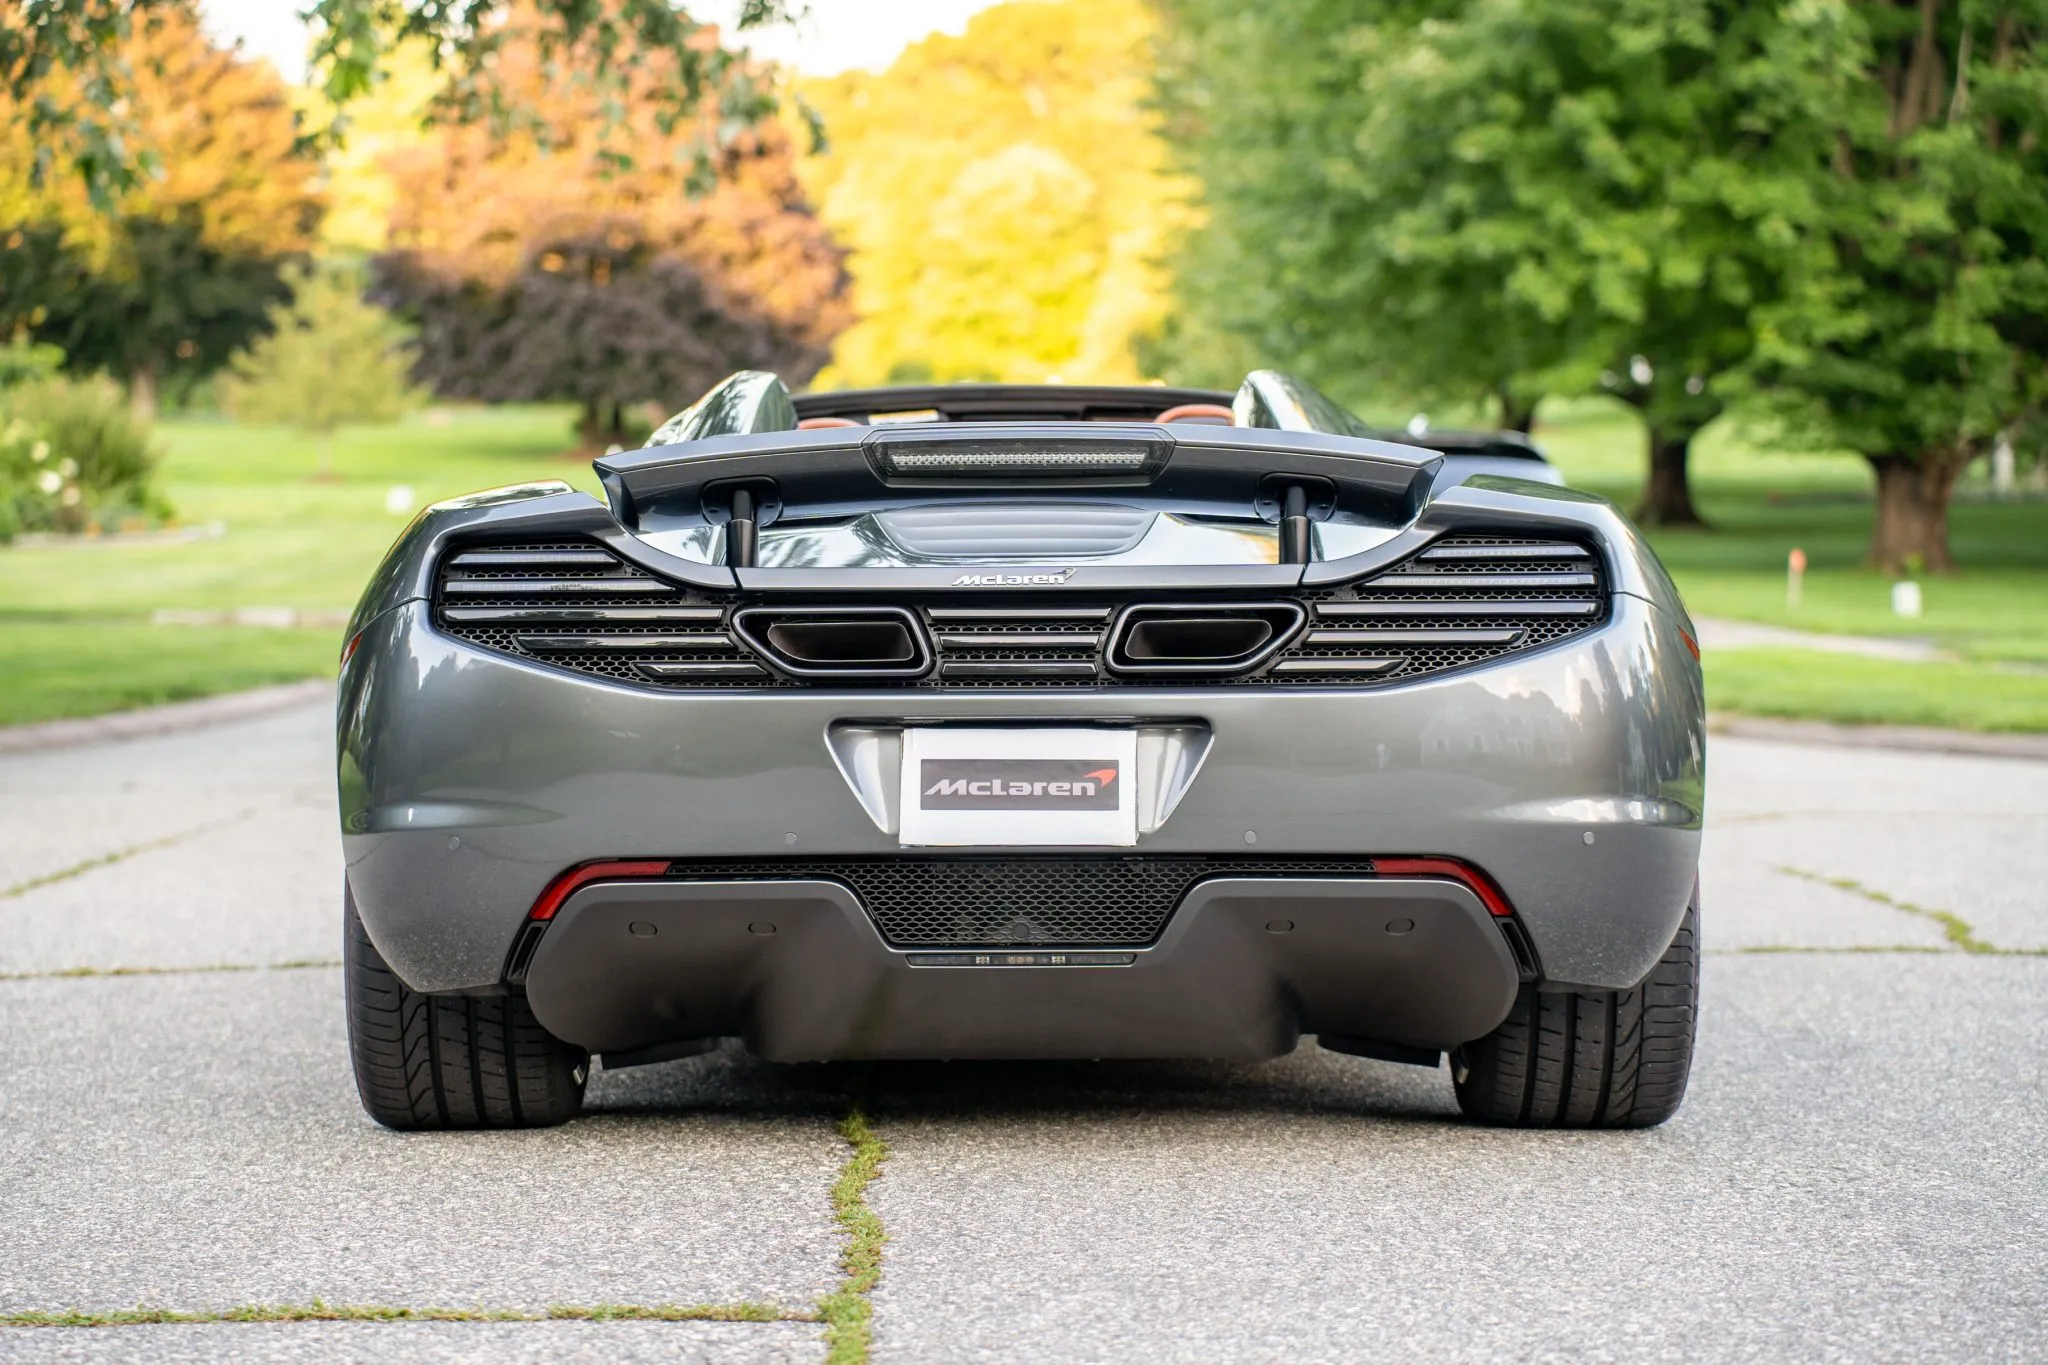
(684, 69)
(1539, 196)
(1004, 194)
(178, 271)
(538, 268)
(1920, 331)
(329, 358)
(606, 320)
(1298, 260)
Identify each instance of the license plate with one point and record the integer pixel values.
(1048, 788)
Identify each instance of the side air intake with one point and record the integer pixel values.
(1216, 639)
(853, 642)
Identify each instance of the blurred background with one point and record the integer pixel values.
(1770, 275)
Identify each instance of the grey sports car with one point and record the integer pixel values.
(987, 721)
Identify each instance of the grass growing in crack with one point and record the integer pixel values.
(78, 973)
(1767, 949)
(1954, 927)
(65, 874)
(847, 1313)
(318, 1311)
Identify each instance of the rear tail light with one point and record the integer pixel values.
(576, 878)
(1474, 880)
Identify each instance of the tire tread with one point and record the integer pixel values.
(1591, 1059)
(442, 1061)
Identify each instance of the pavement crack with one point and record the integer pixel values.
(64, 973)
(1954, 927)
(847, 1313)
(320, 1311)
(119, 855)
(1765, 949)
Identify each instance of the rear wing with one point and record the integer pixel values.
(736, 461)
(1293, 457)
(1225, 470)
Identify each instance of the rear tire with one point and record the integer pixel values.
(1590, 1059)
(451, 1061)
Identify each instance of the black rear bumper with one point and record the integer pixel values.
(1243, 967)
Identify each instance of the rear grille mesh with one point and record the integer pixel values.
(933, 902)
(1463, 600)
(541, 600)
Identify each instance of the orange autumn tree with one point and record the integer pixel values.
(538, 266)
(178, 271)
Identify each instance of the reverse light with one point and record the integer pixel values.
(576, 878)
(1471, 877)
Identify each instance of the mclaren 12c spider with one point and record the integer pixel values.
(984, 721)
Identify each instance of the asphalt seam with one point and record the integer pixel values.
(847, 1312)
(319, 1311)
(1954, 927)
(87, 973)
(119, 855)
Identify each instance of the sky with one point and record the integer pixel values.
(837, 35)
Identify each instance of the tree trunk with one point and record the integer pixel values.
(323, 457)
(1667, 497)
(1516, 413)
(142, 391)
(1910, 532)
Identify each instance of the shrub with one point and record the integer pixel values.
(72, 456)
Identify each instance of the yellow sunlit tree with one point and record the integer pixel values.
(1004, 194)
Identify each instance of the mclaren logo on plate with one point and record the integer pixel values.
(1048, 578)
(1018, 784)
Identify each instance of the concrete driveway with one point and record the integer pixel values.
(1858, 1174)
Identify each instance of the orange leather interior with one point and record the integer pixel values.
(1207, 414)
(815, 423)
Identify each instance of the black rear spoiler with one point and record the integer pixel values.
(834, 470)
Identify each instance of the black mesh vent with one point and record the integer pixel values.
(1104, 901)
(535, 598)
(1463, 600)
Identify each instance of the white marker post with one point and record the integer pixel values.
(1795, 578)
(1906, 598)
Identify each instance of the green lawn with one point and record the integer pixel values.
(1760, 506)
(1852, 690)
(75, 637)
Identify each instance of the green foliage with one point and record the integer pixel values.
(72, 456)
(1835, 211)
(41, 38)
(1506, 199)
(692, 72)
(330, 358)
(22, 360)
(1918, 331)
(166, 279)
